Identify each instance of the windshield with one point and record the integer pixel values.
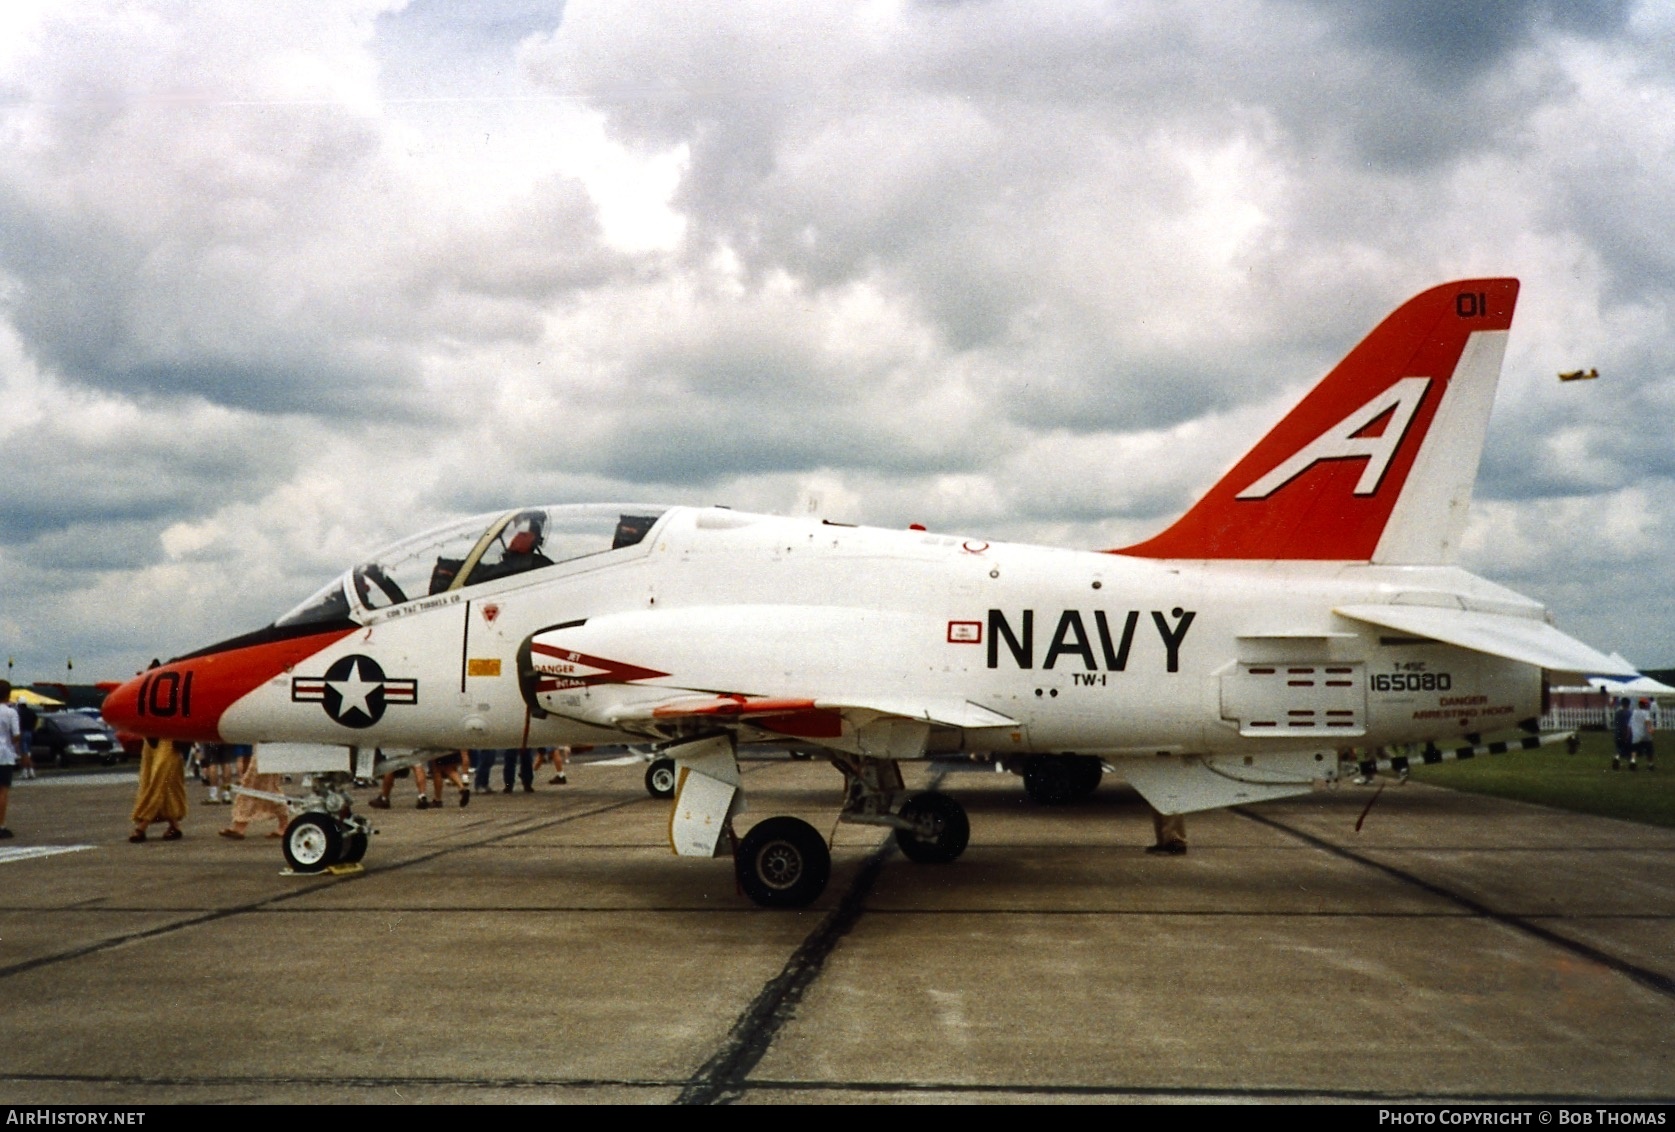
(75, 721)
(469, 552)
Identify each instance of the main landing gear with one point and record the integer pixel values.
(1058, 780)
(783, 862)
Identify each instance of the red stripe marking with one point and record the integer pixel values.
(219, 680)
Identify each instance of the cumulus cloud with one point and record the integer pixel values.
(280, 284)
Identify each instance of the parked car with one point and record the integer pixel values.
(66, 735)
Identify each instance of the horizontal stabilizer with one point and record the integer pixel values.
(1202, 782)
(1515, 638)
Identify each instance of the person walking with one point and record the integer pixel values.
(421, 778)
(162, 793)
(1620, 734)
(449, 768)
(559, 757)
(248, 808)
(1640, 731)
(217, 762)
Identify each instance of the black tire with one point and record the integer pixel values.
(1058, 780)
(312, 843)
(948, 835)
(1089, 772)
(783, 863)
(107, 760)
(661, 778)
(354, 848)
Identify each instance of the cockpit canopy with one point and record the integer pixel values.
(470, 552)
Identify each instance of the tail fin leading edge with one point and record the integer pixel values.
(1377, 463)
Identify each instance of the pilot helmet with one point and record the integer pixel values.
(523, 533)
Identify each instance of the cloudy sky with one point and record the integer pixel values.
(281, 282)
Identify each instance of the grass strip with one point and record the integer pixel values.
(1582, 782)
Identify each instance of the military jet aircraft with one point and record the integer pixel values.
(1301, 615)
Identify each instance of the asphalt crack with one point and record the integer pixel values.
(724, 1077)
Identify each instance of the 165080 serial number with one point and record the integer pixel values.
(1412, 682)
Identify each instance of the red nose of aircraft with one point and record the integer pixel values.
(188, 697)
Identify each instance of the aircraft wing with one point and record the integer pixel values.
(867, 724)
(941, 713)
(766, 709)
(1515, 638)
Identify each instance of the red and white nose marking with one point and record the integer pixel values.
(185, 699)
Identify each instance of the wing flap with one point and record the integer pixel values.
(736, 707)
(939, 712)
(1515, 638)
(943, 713)
(807, 717)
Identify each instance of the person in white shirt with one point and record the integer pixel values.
(1640, 734)
(11, 742)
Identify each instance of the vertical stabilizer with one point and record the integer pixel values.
(1377, 463)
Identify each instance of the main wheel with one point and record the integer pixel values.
(660, 778)
(1058, 780)
(783, 863)
(941, 831)
(1088, 773)
(354, 847)
(312, 843)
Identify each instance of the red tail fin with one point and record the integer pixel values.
(1377, 462)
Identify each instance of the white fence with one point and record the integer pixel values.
(1599, 719)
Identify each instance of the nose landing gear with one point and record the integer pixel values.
(312, 843)
(660, 778)
(322, 831)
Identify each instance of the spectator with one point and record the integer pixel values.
(162, 793)
(10, 735)
(1169, 833)
(1640, 730)
(248, 807)
(26, 741)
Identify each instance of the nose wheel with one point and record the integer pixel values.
(660, 778)
(313, 843)
(323, 831)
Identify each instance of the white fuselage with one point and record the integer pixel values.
(1082, 652)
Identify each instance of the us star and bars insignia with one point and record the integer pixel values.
(354, 691)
